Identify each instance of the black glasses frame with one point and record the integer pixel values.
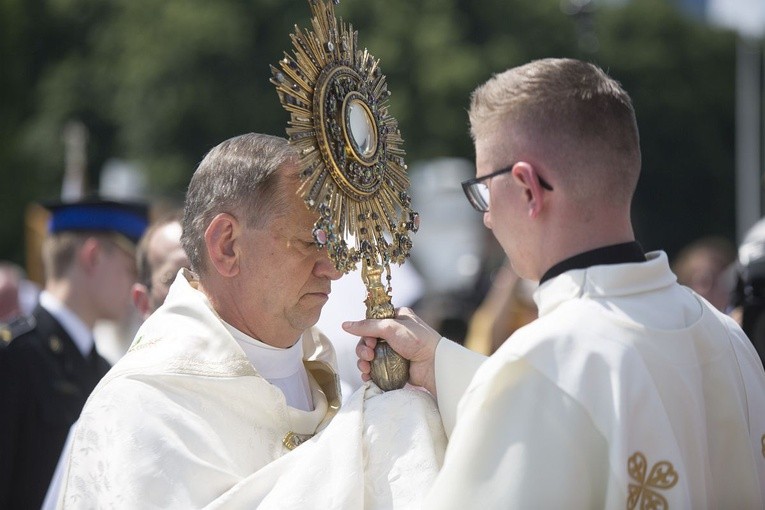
(474, 197)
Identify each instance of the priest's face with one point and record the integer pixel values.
(287, 278)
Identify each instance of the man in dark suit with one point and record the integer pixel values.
(50, 366)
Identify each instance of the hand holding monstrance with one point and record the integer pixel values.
(352, 164)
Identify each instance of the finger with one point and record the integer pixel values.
(365, 349)
(364, 367)
(404, 312)
(367, 327)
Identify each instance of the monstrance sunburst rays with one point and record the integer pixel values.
(351, 161)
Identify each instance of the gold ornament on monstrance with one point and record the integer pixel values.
(351, 162)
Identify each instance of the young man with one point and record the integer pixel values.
(51, 365)
(159, 256)
(629, 390)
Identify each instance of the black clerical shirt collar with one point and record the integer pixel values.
(623, 253)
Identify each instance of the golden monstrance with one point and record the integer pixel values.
(351, 162)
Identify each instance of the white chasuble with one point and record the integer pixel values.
(629, 391)
(184, 421)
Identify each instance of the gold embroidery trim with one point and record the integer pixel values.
(644, 491)
(292, 440)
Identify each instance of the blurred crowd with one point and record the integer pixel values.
(458, 279)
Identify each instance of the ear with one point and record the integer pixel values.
(89, 254)
(140, 294)
(221, 238)
(525, 175)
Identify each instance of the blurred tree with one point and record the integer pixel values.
(159, 83)
(21, 58)
(681, 78)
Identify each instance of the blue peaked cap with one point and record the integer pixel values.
(94, 214)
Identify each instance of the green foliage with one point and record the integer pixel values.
(159, 83)
(681, 77)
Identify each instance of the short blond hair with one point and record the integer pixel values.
(59, 250)
(582, 117)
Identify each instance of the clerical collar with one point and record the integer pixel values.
(623, 253)
(271, 362)
(281, 367)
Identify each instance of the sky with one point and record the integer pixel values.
(747, 16)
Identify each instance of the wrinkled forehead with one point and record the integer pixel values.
(292, 216)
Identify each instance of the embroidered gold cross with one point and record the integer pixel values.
(662, 476)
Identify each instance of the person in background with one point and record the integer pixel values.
(629, 391)
(508, 305)
(18, 297)
(51, 365)
(10, 286)
(749, 296)
(159, 257)
(707, 266)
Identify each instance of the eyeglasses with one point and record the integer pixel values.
(477, 190)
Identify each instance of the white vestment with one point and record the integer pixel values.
(183, 420)
(630, 391)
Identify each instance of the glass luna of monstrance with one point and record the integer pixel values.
(351, 163)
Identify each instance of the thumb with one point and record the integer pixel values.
(365, 327)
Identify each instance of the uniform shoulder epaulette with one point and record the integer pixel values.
(16, 328)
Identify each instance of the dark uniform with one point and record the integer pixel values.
(44, 382)
(44, 379)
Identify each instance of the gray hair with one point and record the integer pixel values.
(573, 106)
(237, 177)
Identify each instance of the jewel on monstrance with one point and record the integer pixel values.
(320, 236)
(330, 46)
(414, 219)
